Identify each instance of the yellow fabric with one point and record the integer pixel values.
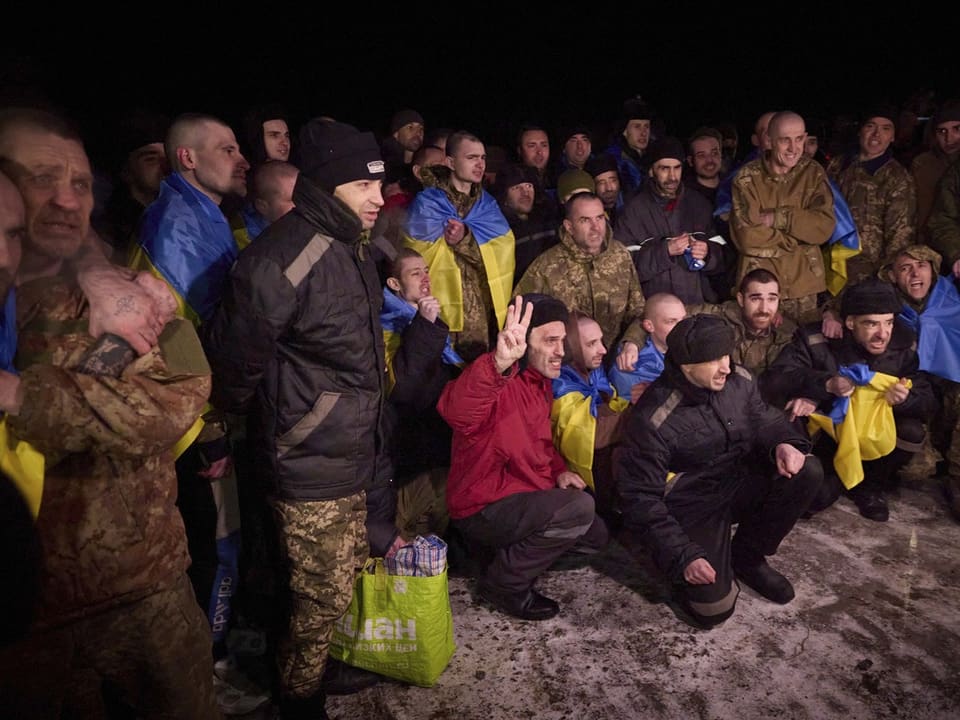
(391, 342)
(499, 259)
(575, 429)
(447, 284)
(24, 465)
(835, 258)
(868, 431)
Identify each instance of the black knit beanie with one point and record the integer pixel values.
(870, 297)
(546, 309)
(334, 153)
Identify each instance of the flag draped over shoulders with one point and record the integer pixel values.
(426, 220)
(938, 330)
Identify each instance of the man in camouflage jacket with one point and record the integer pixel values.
(880, 193)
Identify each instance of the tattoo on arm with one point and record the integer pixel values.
(109, 355)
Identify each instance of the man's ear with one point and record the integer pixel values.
(186, 157)
(393, 284)
(648, 326)
(848, 321)
(448, 161)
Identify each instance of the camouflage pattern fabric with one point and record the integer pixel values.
(884, 207)
(801, 310)
(604, 286)
(944, 222)
(323, 545)
(155, 652)
(754, 352)
(927, 168)
(422, 504)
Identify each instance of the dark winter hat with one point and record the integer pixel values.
(636, 109)
(884, 110)
(546, 309)
(870, 297)
(699, 338)
(334, 153)
(404, 117)
(668, 147)
(512, 174)
(141, 127)
(948, 112)
(601, 163)
(569, 131)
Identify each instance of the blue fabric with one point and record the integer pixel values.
(938, 330)
(431, 209)
(224, 584)
(648, 367)
(188, 240)
(845, 231)
(254, 221)
(571, 381)
(397, 314)
(860, 374)
(8, 333)
(631, 176)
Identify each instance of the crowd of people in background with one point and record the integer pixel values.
(239, 361)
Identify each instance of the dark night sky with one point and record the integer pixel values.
(489, 74)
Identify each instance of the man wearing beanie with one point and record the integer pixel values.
(296, 345)
(404, 139)
(606, 178)
(782, 213)
(635, 133)
(666, 226)
(702, 451)
(931, 306)
(534, 226)
(879, 191)
(814, 375)
(943, 226)
(577, 147)
(509, 489)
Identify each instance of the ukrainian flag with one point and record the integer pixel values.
(648, 367)
(395, 316)
(862, 425)
(938, 330)
(843, 244)
(573, 417)
(428, 215)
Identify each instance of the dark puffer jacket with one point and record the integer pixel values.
(297, 344)
(706, 438)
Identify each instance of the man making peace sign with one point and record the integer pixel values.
(509, 488)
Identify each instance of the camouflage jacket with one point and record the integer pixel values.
(884, 207)
(802, 203)
(755, 352)
(108, 523)
(927, 168)
(603, 286)
(944, 223)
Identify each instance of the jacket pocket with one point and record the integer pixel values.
(307, 424)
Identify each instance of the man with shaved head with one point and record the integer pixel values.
(782, 213)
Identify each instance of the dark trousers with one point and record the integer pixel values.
(765, 506)
(529, 531)
(878, 474)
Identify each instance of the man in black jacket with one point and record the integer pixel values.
(812, 372)
(702, 451)
(297, 346)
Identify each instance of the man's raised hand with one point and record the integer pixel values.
(512, 340)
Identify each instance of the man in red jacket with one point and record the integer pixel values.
(509, 488)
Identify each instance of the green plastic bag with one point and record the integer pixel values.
(400, 626)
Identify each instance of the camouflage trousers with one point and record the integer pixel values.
(152, 657)
(422, 504)
(323, 545)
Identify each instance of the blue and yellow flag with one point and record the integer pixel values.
(395, 316)
(648, 367)
(427, 218)
(938, 330)
(573, 417)
(862, 425)
(843, 244)
(186, 241)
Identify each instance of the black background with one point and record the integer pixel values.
(482, 67)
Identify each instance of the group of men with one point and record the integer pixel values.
(334, 353)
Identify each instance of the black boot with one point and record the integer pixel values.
(526, 605)
(342, 679)
(869, 501)
(766, 581)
